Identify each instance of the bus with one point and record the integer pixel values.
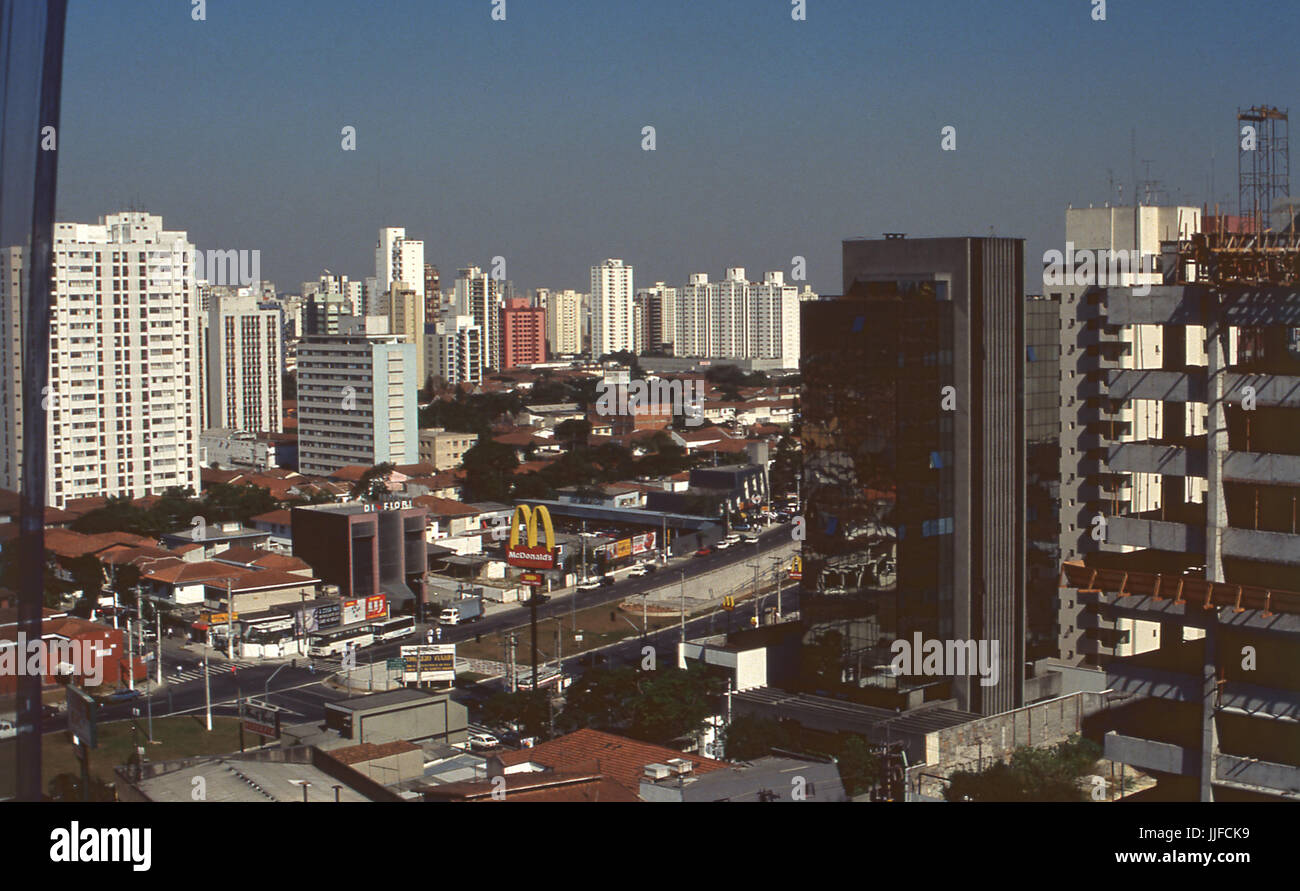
(390, 629)
(332, 643)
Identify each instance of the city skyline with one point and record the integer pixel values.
(773, 137)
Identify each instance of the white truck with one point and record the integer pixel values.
(8, 730)
(466, 609)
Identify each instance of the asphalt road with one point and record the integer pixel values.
(302, 693)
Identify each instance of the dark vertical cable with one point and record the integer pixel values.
(35, 364)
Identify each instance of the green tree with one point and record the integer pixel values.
(1031, 774)
(859, 766)
(573, 433)
(489, 471)
(529, 709)
(749, 737)
(673, 703)
(373, 483)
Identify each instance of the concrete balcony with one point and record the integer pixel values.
(1271, 390)
(1252, 544)
(1171, 460)
(1240, 305)
(1252, 772)
(1147, 754)
(1160, 534)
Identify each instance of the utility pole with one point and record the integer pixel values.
(230, 623)
(532, 603)
(207, 689)
(130, 656)
(683, 606)
(157, 616)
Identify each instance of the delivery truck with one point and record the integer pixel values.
(458, 612)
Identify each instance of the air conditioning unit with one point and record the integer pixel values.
(658, 771)
(681, 766)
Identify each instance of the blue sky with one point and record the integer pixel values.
(522, 138)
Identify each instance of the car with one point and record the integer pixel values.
(589, 584)
(7, 730)
(478, 741)
(743, 527)
(723, 545)
(704, 552)
(124, 696)
(50, 711)
(643, 569)
(607, 580)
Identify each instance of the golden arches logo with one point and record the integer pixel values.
(531, 556)
(796, 567)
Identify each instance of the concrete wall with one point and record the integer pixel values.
(994, 738)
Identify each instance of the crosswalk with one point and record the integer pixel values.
(195, 672)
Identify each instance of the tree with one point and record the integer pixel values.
(573, 433)
(1050, 774)
(289, 385)
(373, 482)
(749, 737)
(489, 470)
(529, 709)
(598, 700)
(673, 703)
(859, 766)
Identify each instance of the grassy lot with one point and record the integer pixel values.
(175, 737)
(595, 624)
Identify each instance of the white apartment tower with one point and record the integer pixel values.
(564, 322)
(738, 319)
(243, 362)
(356, 398)
(123, 402)
(612, 320)
(660, 307)
(453, 350)
(477, 295)
(398, 259)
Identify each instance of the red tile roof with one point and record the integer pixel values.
(616, 757)
(363, 752)
(542, 786)
(279, 517)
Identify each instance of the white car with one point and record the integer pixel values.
(7, 730)
(723, 545)
(479, 741)
(589, 584)
(643, 569)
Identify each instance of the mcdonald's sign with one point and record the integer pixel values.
(728, 603)
(531, 556)
(796, 567)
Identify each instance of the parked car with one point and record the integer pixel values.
(479, 741)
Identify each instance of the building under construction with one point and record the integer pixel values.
(1190, 596)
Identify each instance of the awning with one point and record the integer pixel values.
(199, 626)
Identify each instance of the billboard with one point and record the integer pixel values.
(642, 543)
(354, 612)
(81, 716)
(429, 662)
(263, 720)
(531, 556)
(376, 607)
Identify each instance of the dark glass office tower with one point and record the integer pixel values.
(914, 468)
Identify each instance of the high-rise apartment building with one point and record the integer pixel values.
(612, 320)
(244, 362)
(477, 295)
(432, 292)
(738, 319)
(914, 471)
(397, 259)
(453, 350)
(564, 322)
(659, 317)
(406, 320)
(1189, 593)
(356, 398)
(523, 333)
(123, 408)
(321, 313)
